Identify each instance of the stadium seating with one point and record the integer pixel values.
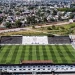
(11, 40)
(33, 40)
(59, 40)
(38, 68)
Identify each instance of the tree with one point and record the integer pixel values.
(11, 13)
(62, 27)
(31, 7)
(52, 20)
(53, 27)
(28, 20)
(71, 16)
(69, 31)
(49, 28)
(1, 19)
(0, 12)
(33, 27)
(54, 12)
(48, 11)
(18, 23)
(8, 25)
(66, 9)
(38, 13)
(59, 18)
(45, 19)
(17, 13)
(33, 20)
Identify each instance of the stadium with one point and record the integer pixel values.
(37, 54)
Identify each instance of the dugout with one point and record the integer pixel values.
(37, 62)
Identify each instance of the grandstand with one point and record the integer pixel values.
(35, 40)
(36, 68)
(32, 40)
(59, 40)
(11, 39)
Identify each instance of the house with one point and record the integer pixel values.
(70, 20)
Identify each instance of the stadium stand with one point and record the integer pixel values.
(35, 40)
(11, 40)
(32, 40)
(43, 68)
(72, 37)
(59, 40)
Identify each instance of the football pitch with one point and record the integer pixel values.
(12, 54)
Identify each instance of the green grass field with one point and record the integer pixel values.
(57, 53)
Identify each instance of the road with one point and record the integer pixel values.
(29, 28)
